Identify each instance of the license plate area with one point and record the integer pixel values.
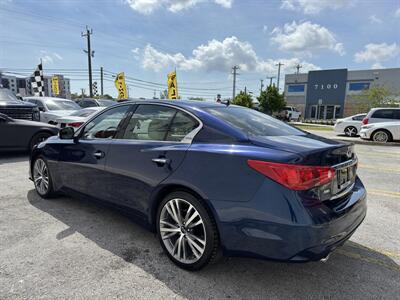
(345, 176)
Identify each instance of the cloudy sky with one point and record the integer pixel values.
(202, 39)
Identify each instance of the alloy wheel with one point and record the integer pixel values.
(350, 131)
(381, 136)
(182, 231)
(41, 176)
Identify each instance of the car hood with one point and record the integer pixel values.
(34, 123)
(16, 103)
(312, 149)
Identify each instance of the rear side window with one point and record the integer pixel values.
(181, 125)
(252, 122)
(383, 114)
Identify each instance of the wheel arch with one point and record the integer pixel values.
(166, 189)
(385, 130)
(38, 132)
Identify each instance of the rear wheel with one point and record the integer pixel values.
(41, 178)
(38, 138)
(187, 231)
(381, 136)
(350, 131)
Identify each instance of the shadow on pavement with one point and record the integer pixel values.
(12, 157)
(353, 271)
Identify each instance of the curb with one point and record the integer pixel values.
(365, 142)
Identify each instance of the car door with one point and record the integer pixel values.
(152, 147)
(82, 161)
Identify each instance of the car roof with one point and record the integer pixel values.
(180, 103)
(47, 98)
(376, 108)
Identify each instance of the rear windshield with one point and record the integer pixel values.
(252, 122)
(62, 105)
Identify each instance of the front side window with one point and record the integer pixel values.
(105, 125)
(150, 122)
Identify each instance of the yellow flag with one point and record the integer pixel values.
(55, 86)
(121, 86)
(172, 86)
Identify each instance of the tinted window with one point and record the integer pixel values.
(253, 122)
(296, 88)
(61, 105)
(358, 86)
(181, 125)
(383, 114)
(87, 103)
(396, 114)
(358, 118)
(105, 125)
(149, 122)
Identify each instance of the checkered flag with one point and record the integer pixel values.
(37, 82)
(94, 88)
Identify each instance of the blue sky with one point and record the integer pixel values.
(202, 39)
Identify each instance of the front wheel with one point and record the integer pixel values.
(187, 231)
(41, 178)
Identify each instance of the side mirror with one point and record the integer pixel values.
(67, 133)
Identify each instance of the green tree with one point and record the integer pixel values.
(271, 100)
(375, 96)
(243, 99)
(197, 98)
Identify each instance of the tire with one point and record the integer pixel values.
(350, 131)
(381, 136)
(191, 241)
(37, 138)
(41, 178)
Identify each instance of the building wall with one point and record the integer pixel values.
(389, 78)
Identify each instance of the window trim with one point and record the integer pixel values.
(188, 139)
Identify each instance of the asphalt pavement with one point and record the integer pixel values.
(69, 248)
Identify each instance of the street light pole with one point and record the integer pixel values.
(90, 54)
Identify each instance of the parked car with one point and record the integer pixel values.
(22, 134)
(289, 113)
(381, 132)
(350, 126)
(77, 118)
(11, 106)
(378, 115)
(52, 108)
(88, 102)
(210, 178)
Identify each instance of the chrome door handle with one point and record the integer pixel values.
(161, 161)
(99, 154)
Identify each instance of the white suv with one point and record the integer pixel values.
(379, 115)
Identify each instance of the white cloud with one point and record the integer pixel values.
(136, 53)
(265, 29)
(147, 7)
(312, 7)
(305, 38)
(377, 53)
(48, 57)
(397, 13)
(377, 66)
(218, 56)
(375, 20)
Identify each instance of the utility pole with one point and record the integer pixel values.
(90, 54)
(298, 68)
(101, 80)
(279, 73)
(235, 68)
(261, 85)
(270, 79)
(245, 90)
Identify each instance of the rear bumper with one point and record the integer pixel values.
(282, 229)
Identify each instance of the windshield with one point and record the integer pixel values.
(7, 95)
(105, 102)
(61, 105)
(252, 122)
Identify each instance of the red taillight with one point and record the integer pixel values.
(365, 121)
(294, 177)
(75, 124)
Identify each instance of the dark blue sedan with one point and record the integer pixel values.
(210, 179)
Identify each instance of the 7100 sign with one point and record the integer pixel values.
(325, 86)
